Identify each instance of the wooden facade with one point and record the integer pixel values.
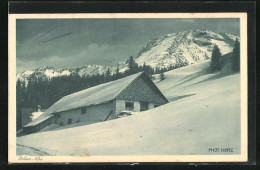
(142, 90)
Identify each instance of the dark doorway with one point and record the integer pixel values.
(129, 105)
(144, 106)
(69, 121)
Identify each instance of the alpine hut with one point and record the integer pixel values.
(136, 92)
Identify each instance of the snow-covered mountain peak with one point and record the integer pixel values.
(183, 48)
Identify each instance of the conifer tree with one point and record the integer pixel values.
(117, 74)
(130, 63)
(132, 66)
(145, 68)
(215, 64)
(108, 75)
(117, 70)
(108, 72)
(236, 56)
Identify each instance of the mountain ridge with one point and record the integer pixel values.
(185, 47)
(175, 49)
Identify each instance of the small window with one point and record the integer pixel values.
(129, 105)
(69, 121)
(83, 110)
(58, 115)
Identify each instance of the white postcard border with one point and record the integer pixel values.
(13, 158)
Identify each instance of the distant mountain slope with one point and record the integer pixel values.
(50, 72)
(175, 49)
(184, 48)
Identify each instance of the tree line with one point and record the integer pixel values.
(44, 92)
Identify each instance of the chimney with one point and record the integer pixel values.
(39, 108)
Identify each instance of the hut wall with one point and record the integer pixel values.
(150, 106)
(96, 113)
(137, 106)
(38, 127)
(120, 105)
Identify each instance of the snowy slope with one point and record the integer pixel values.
(184, 48)
(204, 112)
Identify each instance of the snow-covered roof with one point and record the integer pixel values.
(40, 119)
(91, 96)
(35, 115)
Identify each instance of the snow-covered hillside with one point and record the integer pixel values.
(184, 48)
(203, 113)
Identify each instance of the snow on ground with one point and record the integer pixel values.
(25, 150)
(203, 113)
(224, 47)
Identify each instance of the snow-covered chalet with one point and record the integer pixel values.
(101, 103)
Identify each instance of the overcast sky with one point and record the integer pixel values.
(72, 43)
